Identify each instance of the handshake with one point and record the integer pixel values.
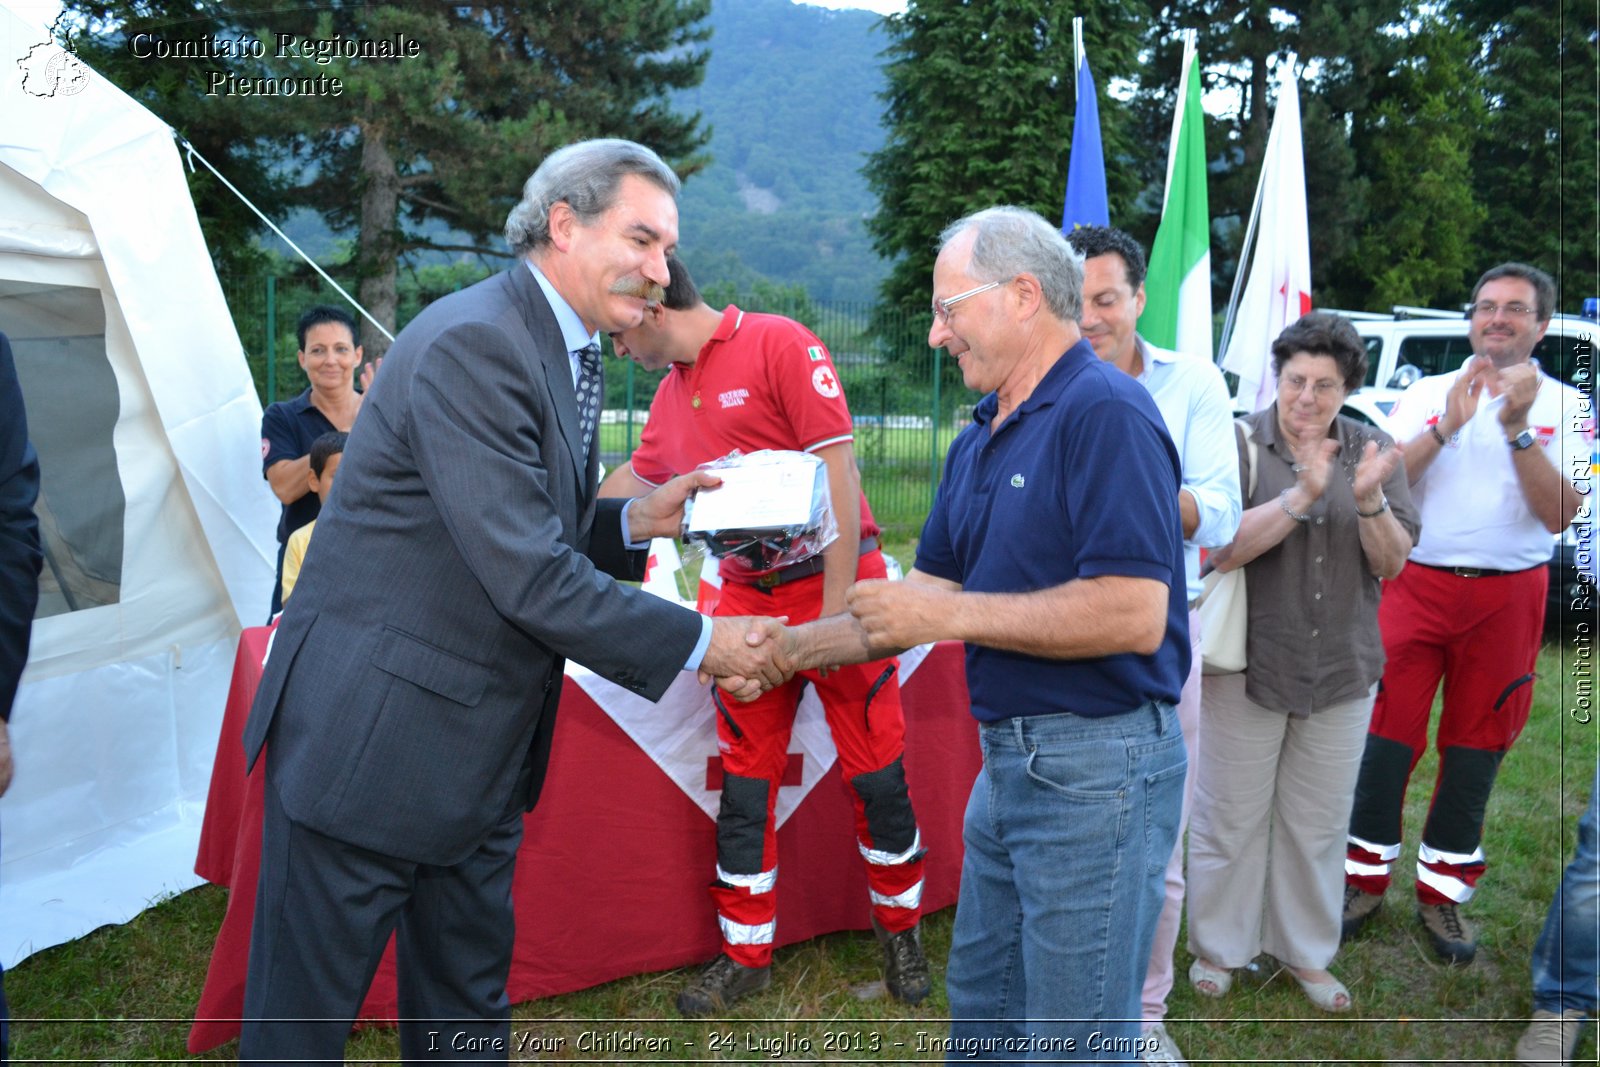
(749, 654)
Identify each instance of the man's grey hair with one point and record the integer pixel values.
(585, 176)
(1012, 241)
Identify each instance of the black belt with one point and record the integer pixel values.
(796, 571)
(1476, 572)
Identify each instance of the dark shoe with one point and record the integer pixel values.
(1451, 935)
(905, 968)
(1358, 908)
(721, 985)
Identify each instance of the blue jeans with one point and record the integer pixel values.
(1566, 958)
(1068, 832)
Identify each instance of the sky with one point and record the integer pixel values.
(42, 12)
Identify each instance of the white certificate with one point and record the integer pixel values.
(757, 497)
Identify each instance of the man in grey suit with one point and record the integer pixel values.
(463, 556)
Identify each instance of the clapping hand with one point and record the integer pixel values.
(1519, 385)
(1313, 459)
(1461, 402)
(1376, 465)
(369, 371)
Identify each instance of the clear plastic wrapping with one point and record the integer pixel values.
(773, 510)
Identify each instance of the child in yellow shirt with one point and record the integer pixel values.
(325, 453)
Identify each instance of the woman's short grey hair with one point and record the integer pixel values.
(1012, 241)
(585, 176)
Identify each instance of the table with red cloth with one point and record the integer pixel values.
(615, 860)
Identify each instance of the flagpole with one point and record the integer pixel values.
(1077, 49)
(1244, 249)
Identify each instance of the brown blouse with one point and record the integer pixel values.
(1313, 635)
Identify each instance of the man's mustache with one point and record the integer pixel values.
(642, 288)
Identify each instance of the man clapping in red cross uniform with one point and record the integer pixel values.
(1490, 451)
(748, 381)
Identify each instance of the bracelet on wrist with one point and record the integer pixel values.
(1433, 428)
(1283, 502)
(1375, 512)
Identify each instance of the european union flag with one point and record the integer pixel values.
(1085, 202)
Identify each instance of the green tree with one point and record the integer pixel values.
(425, 150)
(1241, 45)
(979, 110)
(1534, 167)
(1415, 141)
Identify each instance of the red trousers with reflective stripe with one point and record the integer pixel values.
(866, 741)
(1481, 636)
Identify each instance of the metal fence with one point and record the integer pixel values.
(907, 399)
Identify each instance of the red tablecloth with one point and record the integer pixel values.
(611, 879)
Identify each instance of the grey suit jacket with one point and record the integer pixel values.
(411, 691)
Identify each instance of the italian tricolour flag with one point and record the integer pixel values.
(1177, 311)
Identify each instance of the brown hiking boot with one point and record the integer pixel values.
(905, 968)
(1358, 908)
(1452, 936)
(721, 985)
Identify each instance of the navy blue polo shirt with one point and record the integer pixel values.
(287, 430)
(1080, 481)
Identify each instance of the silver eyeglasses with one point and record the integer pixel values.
(941, 308)
(1487, 309)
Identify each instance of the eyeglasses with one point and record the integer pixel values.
(941, 308)
(1322, 390)
(1488, 309)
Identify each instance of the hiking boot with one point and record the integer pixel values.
(905, 968)
(1552, 1037)
(721, 985)
(1358, 908)
(1451, 935)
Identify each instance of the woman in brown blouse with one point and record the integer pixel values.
(1330, 516)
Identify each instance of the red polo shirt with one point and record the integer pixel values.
(762, 381)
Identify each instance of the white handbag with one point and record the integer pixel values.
(1224, 604)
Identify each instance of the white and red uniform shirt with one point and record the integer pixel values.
(762, 381)
(1471, 503)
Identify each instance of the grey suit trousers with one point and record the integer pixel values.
(324, 911)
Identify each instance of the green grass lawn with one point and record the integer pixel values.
(126, 993)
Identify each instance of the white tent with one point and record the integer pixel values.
(157, 525)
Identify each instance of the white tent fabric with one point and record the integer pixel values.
(164, 537)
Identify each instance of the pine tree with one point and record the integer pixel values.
(445, 134)
(1534, 167)
(979, 113)
(1419, 241)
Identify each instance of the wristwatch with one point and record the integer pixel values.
(1525, 439)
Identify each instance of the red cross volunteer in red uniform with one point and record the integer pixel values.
(749, 381)
(1490, 453)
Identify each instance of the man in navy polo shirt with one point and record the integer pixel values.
(1054, 551)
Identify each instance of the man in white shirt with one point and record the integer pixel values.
(1492, 451)
(1194, 403)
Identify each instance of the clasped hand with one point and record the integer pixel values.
(748, 655)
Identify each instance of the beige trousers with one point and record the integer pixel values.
(1267, 836)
